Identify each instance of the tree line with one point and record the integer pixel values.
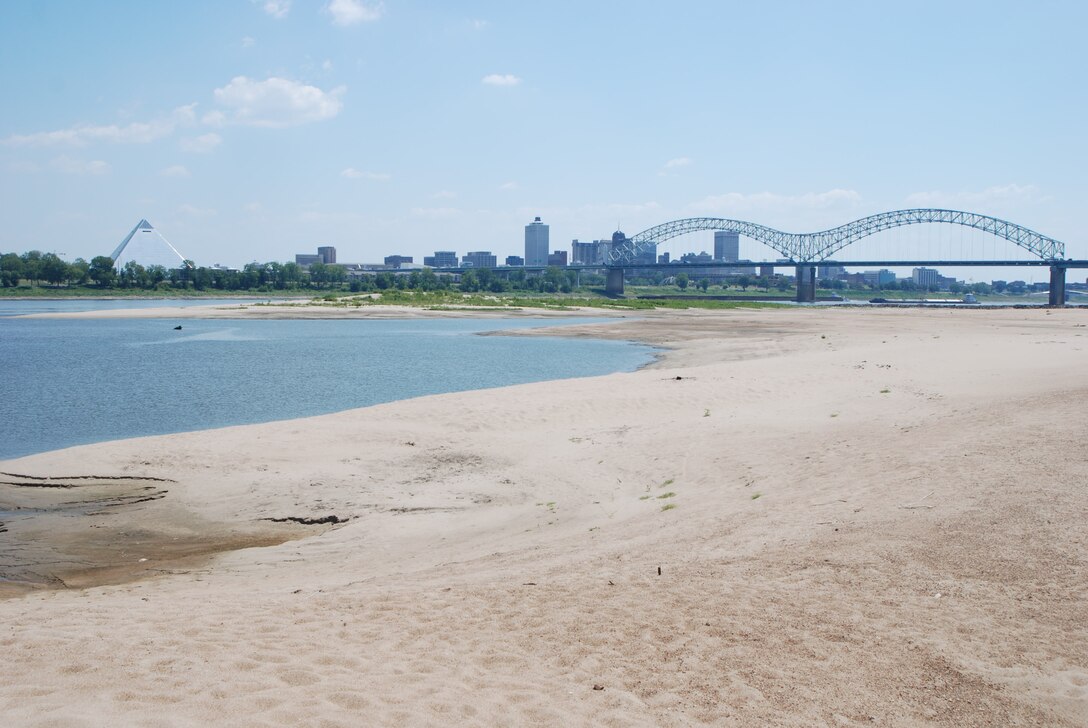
(35, 268)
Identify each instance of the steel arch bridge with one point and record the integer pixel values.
(818, 246)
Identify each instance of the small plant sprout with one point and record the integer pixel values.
(885, 391)
(756, 495)
(668, 506)
(670, 494)
(667, 483)
(706, 413)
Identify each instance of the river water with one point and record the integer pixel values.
(72, 382)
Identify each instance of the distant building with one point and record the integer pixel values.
(395, 261)
(766, 271)
(648, 256)
(726, 246)
(478, 259)
(536, 243)
(664, 258)
(441, 259)
(830, 271)
(878, 278)
(325, 254)
(515, 260)
(558, 258)
(926, 277)
(703, 257)
(584, 253)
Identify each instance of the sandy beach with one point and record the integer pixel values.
(797, 516)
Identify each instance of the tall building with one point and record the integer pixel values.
(583, 253)
(536, 243)
(478, 259)
(726, 246)
(328, 254)
(441, 259)
(926, 277)
(515, 260)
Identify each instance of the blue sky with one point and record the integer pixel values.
(255, 129)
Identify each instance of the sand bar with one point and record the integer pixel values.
(795, 517)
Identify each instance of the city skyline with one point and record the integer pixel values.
(403, 128)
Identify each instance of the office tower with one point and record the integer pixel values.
(478, 259)
(536, 243)
(726, 246)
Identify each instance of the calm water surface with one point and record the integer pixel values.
(72, 382)
(20, 306)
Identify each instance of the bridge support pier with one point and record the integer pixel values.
(1057, 285)
(806, 283)
(613, 285)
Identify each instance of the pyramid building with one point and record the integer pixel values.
(148, 247)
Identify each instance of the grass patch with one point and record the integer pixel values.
(885, 391)
(670, 494)
(668, 506)
(756, 495)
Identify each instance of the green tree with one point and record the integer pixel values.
(703, 284)
(32, 266)
(11, 270)
(682, 281)
(77, 271)
(52, 269)
(744, 282)
(101, 271)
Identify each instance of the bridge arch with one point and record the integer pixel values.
(818, 246)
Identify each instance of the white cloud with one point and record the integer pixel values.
(253, 207)
(201, 144)
(274, 103)
(352, 173)
(435, 212)
(176, 170)
(501, 79)
(214, 118)
(350, 12)
(1003, 194)
(508, 186)
(479, 24)
(84, 134)
(248, 42)
(326, 65)
(444, 195)
(736, 203)
(67, 165)
(278, 9)
(194, 211)
(670, 167)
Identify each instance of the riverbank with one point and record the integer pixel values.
(794, 517)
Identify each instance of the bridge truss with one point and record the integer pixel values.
(815, 247)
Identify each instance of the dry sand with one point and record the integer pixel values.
(879, 519)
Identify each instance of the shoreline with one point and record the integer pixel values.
(886, 496)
